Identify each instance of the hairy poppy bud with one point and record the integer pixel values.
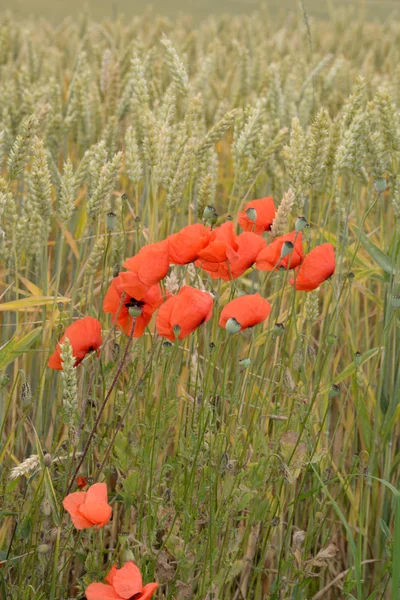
(301, 222)
(43, 548)
(232, 326)
(127, 555)
(380, 184)
(47, 460)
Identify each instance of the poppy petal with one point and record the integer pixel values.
(72, 504)
(128, 581)
(98, 513)
(101, 591)
(247, 310)
(111, 574)
(97, 493)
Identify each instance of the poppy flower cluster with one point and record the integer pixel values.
(91, 509)
(137, 293)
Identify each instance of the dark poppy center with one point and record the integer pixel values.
(133, 303)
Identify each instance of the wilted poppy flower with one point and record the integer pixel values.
(84, 336)
(244, 311)
(122, 584)
(258, 215)
(149, 266)
(270, 259)
(180, 315)
(81, 482)
(144, 307)
(89, 509)
(317, 266)
(184, 246)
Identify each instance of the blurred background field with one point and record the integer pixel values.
(56, 10)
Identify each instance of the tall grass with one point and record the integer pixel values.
(262, 465)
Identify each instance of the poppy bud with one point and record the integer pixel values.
(47, 460)
(111, 220)
(334, 391)
(380, 184)
(357, 358)
(232, 326)
(135, 311)
(301, 222)
(286, 249)
(26, 393)
(396, 301)
(43, 548)
(251, 214)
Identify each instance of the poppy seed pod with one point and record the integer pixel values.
(301, 222)
(287, 248)
(232, 326)
(357, 358)
(334, 391)
(251, 214)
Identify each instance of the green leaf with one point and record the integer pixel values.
(14, 348)
(381, 259)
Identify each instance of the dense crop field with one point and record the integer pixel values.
(223, 409)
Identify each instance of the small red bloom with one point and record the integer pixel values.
(122, 584)
(84, 336)
(180, 315)
(184, 246)
(270, 259)
(317, 266)
(149, 266)
(89, 509)
(244, 311)
(146, 305)
(264, 215)
(81, 482)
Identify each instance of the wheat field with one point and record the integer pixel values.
(224, 455)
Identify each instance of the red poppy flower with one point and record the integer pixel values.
(84, 336)
(145, 306)
(89, 509)
(122, 584)
(317, 266)
(260, 220)
(249, 245)
(244, 311)
(184, 246)
(149, 266)
(81, 482)
(222, 246)
(180, 315)
(270, 259)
